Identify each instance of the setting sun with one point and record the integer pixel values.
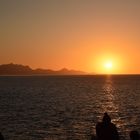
(108, 65)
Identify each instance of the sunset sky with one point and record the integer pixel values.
(101, 36)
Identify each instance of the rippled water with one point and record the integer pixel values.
(67, 107)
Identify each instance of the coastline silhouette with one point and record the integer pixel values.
(19, 69)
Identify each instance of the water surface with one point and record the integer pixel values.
(67, 107)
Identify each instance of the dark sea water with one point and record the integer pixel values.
(67, 107)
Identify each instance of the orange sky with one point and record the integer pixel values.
(75, 34)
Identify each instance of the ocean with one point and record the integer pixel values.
(67, 107)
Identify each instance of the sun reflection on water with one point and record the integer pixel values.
(109, 105)
(108, 89)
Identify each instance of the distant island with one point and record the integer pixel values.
(18, 69)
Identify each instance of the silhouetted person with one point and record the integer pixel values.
(134, 135)
(1, 136)
(106, 130)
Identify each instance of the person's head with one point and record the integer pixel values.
(106, 118)
(134, 135)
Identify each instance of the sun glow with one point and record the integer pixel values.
(108, 65)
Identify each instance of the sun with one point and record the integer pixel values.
(108, 65)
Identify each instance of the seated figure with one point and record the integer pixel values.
(106, 130)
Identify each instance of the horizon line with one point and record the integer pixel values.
(86, 73)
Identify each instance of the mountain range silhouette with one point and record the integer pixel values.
(18, 69)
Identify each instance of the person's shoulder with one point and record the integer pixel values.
(99, 124)
(113, 125)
